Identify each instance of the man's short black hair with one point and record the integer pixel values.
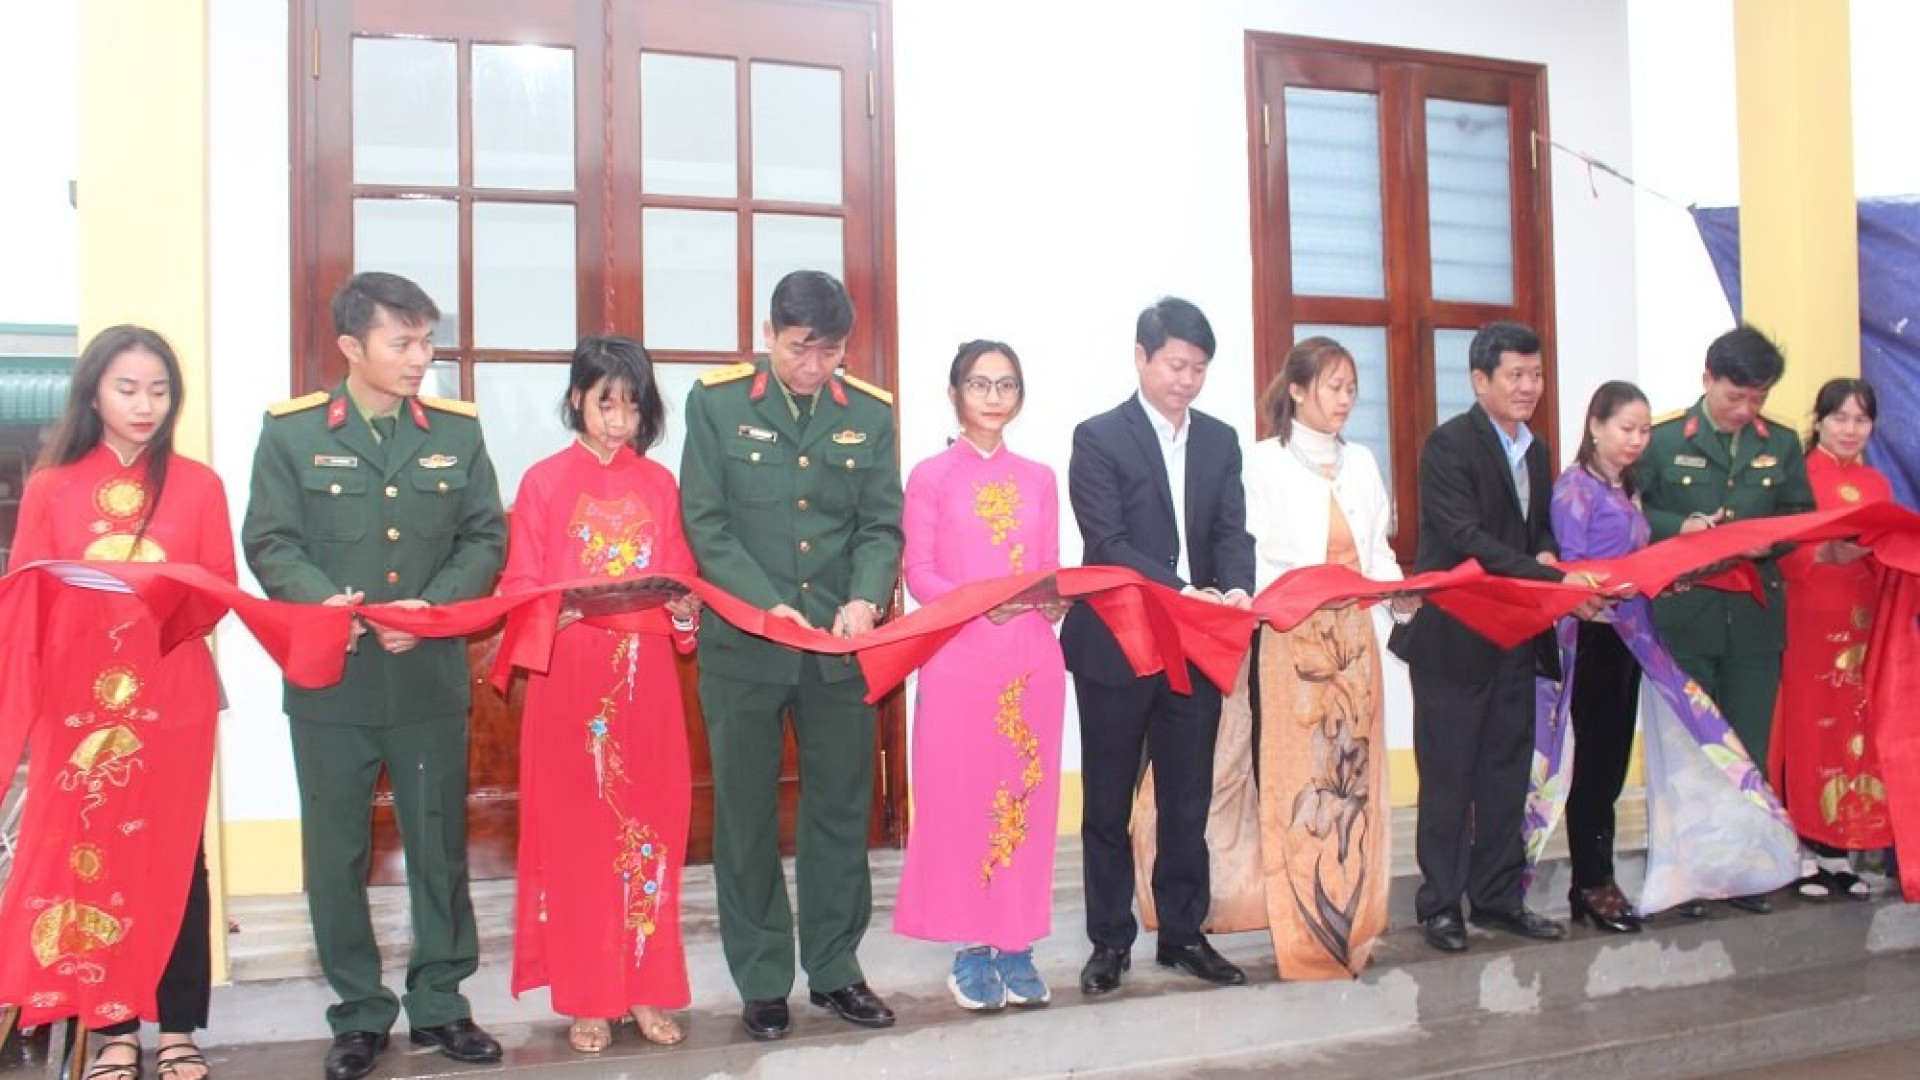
(355, 305)
(1172, 317)
(1495, 338)
(814, 300)
(1746, 358)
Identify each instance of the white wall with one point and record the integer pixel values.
(1057, 173)
(250, 271)
(1886, 156)
(40, 148)
(1054, 175)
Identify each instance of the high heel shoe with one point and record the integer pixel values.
(1604, 908)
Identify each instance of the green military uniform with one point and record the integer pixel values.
(803, 511)
(413, 512)
(1727, 642)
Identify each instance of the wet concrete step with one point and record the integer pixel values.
(1685, 999)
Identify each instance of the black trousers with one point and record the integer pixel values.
(187, 982)
(1122, 727)
(1473, 742)
(1606, 700)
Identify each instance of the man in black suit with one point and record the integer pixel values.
(1155, 487)
(1485, 485)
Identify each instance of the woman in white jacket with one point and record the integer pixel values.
(1313, 497)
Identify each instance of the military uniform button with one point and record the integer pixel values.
(443, 487)
(1686, 481)
(801, 505)
(755, 456)
(393, 577)
(805, 461)
(393, 535)
(849, 463)
(392, 492)
(333, 489)
(1766, 481)
(805, 546)
(806, 586)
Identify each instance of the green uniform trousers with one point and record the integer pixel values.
(1744, 685)
(337, 765)
(833, 729)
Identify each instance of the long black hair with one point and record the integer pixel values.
(1607, 400)
(80, 429)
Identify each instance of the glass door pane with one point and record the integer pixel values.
(1333, 193)
(418, 239)
(1469, 202)
(688, 142)
(406, 112)
(1452, 381)
(520, 406)
(523, 117)
(796, 134)
(691, 282)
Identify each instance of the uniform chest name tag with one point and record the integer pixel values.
(335, 461)
(849, 437)
(439, 461)
(1688, 461)
(1765, 461)
(758, 434)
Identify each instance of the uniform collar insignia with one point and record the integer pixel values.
(838, 391)
(419, 414)
(849, 437)
(1761, 429)
(337, 412)
(759, 388)
(1693, 426)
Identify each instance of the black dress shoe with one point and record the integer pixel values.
(767, 1018)
(1692, 909)
(1101, 975)
(1200, 961)
(856, 1004)
(1604, 907)
(461, 1040)
(1520, 922)
(352, 1053)
(1758, 905)
(1445, 931)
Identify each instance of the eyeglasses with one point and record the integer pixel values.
(980, 386)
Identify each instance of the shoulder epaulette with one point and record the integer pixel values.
(868, 388)
(1670, 417)
(451, 405)
(730, 373)
(299, 404)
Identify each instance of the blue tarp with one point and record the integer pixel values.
(1889, 330)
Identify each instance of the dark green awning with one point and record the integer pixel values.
(33, 389)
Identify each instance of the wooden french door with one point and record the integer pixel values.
(553, 168)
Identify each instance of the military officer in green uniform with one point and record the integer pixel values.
(1717, 462)
(371, 492)
(790, 496)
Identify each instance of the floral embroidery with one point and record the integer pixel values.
(120, 497)
(1009, 810)
(641, 858)
(998, 506)
(616, 535)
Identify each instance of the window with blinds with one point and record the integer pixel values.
(1399, 206)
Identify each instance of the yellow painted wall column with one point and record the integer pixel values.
(1799, 222)
(143, 214)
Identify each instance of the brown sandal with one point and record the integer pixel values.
(590, 1035)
